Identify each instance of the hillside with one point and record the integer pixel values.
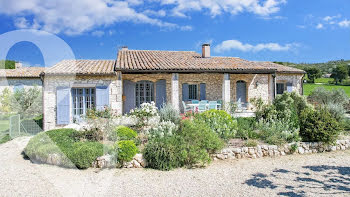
(325, 67)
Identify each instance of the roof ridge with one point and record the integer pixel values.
(157, 50)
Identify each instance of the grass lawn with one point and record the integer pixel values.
(4, 125)
(323, 80)
(308, 87)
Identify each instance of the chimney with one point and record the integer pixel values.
(124, 48)
(206, 50)
(18, 65)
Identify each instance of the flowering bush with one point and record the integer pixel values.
(163, 129)
(144, 114)
(169, 113)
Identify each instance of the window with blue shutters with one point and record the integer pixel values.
(144, 92)
(83, 99)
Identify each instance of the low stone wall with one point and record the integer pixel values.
(247, 152)
(273, 150)
(106, 162)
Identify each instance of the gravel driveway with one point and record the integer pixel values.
(325, 174)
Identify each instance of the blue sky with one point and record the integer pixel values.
(263, 30)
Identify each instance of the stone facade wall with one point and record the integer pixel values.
(273, 150)
(257, 86)
(213, 84)
(154, 78)
(26, 82)
(52, 82)
(295, 79)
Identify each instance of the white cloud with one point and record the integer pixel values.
(217, 7)
(331, 18)
(186, 28)
(229, 45)
(159, 13)
(77, 16)
(319, 26)
(329, 22)
(98, 33)
(344, 23)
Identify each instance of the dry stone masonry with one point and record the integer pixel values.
(246, 152)
(273, 150)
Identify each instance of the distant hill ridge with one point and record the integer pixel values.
(325, 67)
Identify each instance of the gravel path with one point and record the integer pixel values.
(325, 174)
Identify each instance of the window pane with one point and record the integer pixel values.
(280, 88)
(192, 94)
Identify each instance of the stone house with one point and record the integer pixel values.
(73, 86)
(20, 77)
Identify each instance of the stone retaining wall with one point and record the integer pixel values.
(248, 152)
(273, 150)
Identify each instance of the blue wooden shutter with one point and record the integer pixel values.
(129, 93)
(63, 105)
(160, 93)
(203, 93)
(102, 97)
(185, 92)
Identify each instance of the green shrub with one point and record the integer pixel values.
(63, 138)
(277, 132)
(123, 133)
(250, 143)
(337, 111)
(104, 113)
(220, 122)
(41, 146)
(293, 148)
(322, 96)
(191, 145)
(5, 139)
(63, 142)
(84, 153)
(199, 142)
(126, 150)
(169, 113)
(165, 153)
(246, 128)
(346, 124)
(319, 126)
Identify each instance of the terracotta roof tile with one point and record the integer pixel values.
(82, 67)
(29, 72)
(186, 61)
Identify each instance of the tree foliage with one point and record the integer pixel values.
(339, 73)
(27, 102)
(313, 73)
(7, 64)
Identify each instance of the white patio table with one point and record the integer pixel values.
(196, 105)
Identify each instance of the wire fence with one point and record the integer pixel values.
(18, 126)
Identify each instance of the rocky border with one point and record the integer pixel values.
(273, 150)
(245, 152)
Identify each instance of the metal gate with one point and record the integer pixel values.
(15, 126)
(24, 127)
